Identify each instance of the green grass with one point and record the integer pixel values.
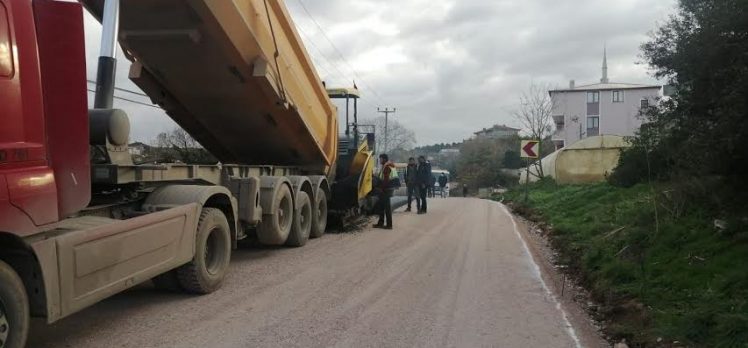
(683, 281)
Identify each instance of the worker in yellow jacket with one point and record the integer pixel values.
(387, 183)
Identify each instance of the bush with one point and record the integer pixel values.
(512, 160)
(643, 161)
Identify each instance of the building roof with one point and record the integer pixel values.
(342, 93)
(605, 87)
(605, 84)
(495, 128)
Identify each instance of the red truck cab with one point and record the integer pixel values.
(44, 154)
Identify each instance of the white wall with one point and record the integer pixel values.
(570, 105)
(623, 118)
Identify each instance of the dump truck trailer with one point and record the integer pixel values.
(79, 221)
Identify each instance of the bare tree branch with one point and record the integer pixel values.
(399, 137)
(535, 115)
(178, 145)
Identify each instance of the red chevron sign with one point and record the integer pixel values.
(530, 149)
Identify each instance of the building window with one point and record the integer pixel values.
(593, 126)
(593, 97)
(644, 103)
(618, 96)
(559, 121)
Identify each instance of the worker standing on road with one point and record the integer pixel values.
(432, 185)
(442, 184)
(423, 180)
(388, 181)
(411, 184)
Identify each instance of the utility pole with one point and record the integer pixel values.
(386, 111)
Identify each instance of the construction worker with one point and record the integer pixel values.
(423, 180)
(388, 182)
(442, 184)
(411, 184)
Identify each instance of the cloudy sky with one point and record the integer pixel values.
(450, 67)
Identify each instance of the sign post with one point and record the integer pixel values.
(529, 149)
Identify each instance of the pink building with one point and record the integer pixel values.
(605, 108)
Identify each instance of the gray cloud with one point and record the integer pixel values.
(467, 61)
(453, 66)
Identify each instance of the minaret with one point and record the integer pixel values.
(605, 66)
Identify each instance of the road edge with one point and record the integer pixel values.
(583, 330)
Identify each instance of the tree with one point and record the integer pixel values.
(178, 145)
(535, 115)
(398, 136)
(481, 162)
(511, 160)
(702, 130)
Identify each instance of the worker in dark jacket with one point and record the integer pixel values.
(423, 180)
(385, 188)
(410, 184)
(442, 184)
(432, 186)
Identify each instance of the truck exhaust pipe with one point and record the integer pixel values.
(106, 70)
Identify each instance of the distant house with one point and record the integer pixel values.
(449, 152)
(497, 132)
(138, 149)
(605, 108)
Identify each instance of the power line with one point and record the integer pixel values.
(131, 100)
(324, 57)
(124, 90)
(377, 95)
(322, 31)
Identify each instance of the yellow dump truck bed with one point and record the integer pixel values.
(211, 64)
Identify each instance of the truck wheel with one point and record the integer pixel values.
(168, 281)
(302, 221)
(14, 309)
(208, 268)
(274, 229)
(319, 214)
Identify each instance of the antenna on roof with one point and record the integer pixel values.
(605, 65)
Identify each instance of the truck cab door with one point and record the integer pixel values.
(23, 154)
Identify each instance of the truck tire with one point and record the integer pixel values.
(14, 309)
(319, 214)
(274, 229)
(302, 221)
(208, 268)
(168, 281)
